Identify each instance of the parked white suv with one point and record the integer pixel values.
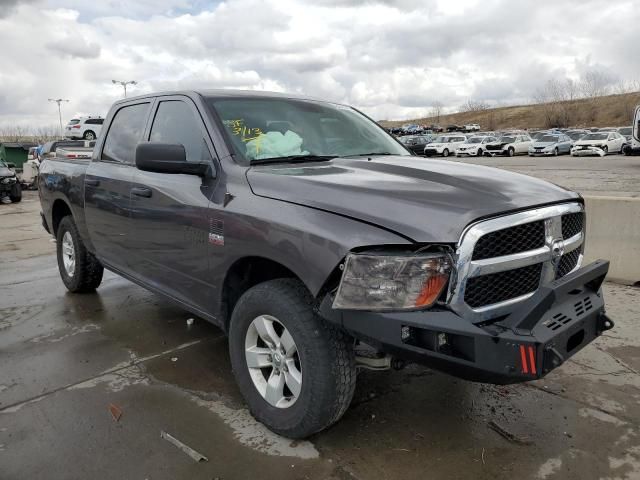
(510, 145)
(472, 127)
(87, 128)
(475, 146)
(444, 145)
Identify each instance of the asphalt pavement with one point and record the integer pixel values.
(89, 382)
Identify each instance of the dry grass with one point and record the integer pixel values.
(608, 111)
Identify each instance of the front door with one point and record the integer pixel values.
(170, 212)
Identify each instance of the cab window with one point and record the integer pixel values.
(175, 122)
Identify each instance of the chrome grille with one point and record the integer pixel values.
(503, 261)
(501, 286)
(572, 224)
(507, 241)
(568, 262)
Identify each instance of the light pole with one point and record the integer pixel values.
(59, 101)
(124, 84)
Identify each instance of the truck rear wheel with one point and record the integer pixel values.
(79, 269)
(296, 373)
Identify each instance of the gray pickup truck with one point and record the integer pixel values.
(321, 246)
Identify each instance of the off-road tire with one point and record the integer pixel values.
(326, 358)
(88, 270)
(16, 193)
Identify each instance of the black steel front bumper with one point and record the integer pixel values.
(548, 328)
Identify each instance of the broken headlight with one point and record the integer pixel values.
(392, 282)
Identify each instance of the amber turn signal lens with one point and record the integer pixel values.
(431, 290)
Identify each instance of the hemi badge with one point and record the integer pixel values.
(216, 232)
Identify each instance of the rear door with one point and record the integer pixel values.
(170, 216)
(108, 185)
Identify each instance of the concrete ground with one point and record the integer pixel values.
(613, 175)
(65, 359)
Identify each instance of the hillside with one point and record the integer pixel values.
(611, 110)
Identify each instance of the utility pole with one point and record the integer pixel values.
(124, 84)
(59, 101)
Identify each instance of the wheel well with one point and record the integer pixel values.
(246, 273)
(58, 212)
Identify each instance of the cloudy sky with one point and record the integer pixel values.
(391, 58)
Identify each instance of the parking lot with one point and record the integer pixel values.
(89, 382)
(613, 175)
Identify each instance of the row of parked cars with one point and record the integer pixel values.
(542, 143)
(415, 129)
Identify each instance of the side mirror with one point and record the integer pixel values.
(167, 158)
(11, 165)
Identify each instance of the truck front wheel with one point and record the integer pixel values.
(79, 269)
(296, 372)
(16, 193)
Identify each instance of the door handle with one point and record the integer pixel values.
(141, 192)
(91, 182)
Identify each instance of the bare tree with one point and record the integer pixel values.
(45, 134)
(436, 111)
(596, 83)
(474, 106)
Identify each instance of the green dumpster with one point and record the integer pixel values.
(15, 152)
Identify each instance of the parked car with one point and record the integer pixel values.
(303, 252)
(416, 143)
(474, 146)
(9, 185)
(509, 145)
(626, 132)
(550, 144)
(472, 127)
(87, 128)
(599, 143)
(454, 128)
(444, 145)
(576, 135)
(608, 129)
(536, 135)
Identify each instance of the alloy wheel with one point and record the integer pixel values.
(68, 254)
(273, 361)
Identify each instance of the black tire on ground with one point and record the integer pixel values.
(88, 271)
(511, 152)
(327, 361)
(480, 153)
(556, 152)
(16, 193)
(605, 149)
(445, 152)
(89, 135)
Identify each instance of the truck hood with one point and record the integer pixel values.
(423, 200)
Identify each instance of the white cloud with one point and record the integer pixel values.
(391, 58)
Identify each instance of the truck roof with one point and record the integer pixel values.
(221, 93)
